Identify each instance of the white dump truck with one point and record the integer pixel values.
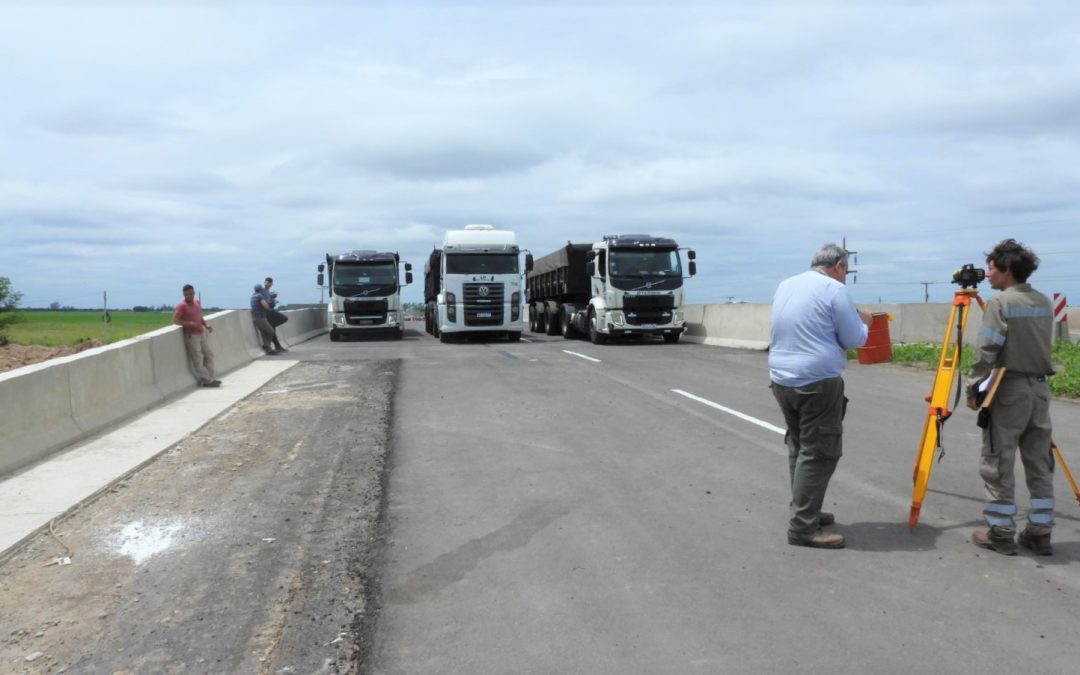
(365, 294)
(473, 284)
(625, 285)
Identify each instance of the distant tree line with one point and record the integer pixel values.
(9, 300)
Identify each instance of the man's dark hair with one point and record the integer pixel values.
(1012, 256)
(188, 287)
(268, 280)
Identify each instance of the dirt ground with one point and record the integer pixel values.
(246, 548)
(16, 356)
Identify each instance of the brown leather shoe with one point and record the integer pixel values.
(995, 539)
(1039, 543)
(818, 539)
(825, 518)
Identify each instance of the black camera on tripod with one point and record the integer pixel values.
(968, 276)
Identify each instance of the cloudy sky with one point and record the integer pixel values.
(147, 145)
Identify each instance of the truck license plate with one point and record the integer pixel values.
(483, 315)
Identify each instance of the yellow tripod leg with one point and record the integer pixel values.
(944, 378)
(1065, 469)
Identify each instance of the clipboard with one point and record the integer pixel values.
(984, 395)
(988, 387)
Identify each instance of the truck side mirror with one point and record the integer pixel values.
(590, 268)
(693, 268)
(408, 277)
(319, 279)
(322, 267)
(528, 262)
(408, 267)
(690, 255)
(590, 256)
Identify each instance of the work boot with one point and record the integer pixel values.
(825, 519)
(998, 539)
(1039, 543)
(818, 539)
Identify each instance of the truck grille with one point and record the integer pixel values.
(648, 309)
(365, 313)
(484, 304)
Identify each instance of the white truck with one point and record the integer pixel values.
(365, 294)
(473, 285)
(625, 285)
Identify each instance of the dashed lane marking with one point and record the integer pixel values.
(587, 358)
(736, 413)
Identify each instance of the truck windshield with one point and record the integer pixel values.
(644, 264)
(481, 263)
(372, 278)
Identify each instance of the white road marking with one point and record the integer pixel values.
(587, 358)
(736, 413)
(526, 340)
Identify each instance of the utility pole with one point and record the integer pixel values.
(854, 255)
(926, 290)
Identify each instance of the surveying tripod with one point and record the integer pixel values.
(948, 365)
(939, 412)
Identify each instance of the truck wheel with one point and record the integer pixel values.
(595, 336)
(671, 338)
(334, 337)
(553, 325)
(539, 322)
(513, 337)
(444, 338)
(434, 328)
(568, 330)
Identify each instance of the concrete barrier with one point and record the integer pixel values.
(50, 405)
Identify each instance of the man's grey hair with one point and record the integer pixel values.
(827, 256)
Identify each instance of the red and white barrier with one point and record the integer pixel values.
(1061, 309)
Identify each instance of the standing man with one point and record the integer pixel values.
(188, 315)
(1016, 333)
(273, 317)
(259, 308)
(814, 323)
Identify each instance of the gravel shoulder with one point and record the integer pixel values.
(246, 548)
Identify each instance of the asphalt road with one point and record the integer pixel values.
(546, 506)
(548, 513)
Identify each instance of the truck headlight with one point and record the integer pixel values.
(451, 307)
(391, 318)
(616, 317)
(677, 319)
(339, 319)
(515, 306)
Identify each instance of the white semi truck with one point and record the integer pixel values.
(473, 284)
(625, 285)
(365, 294)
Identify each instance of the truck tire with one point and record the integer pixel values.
(568, 330)
(513, 337)
(554, 327)
(595, 336)
(334, 336)
(540, 326)
(444, 338)
(671, 338)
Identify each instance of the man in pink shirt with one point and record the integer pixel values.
(189, 316)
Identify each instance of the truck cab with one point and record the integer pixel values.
(365, 294)
(472, 284)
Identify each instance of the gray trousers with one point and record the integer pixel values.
(265, 332)
(1019, 419)
(200, 357)
(814, 416)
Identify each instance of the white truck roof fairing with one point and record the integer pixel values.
(480, 239)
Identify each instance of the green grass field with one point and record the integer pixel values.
(1066, 357)
(57, 329)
